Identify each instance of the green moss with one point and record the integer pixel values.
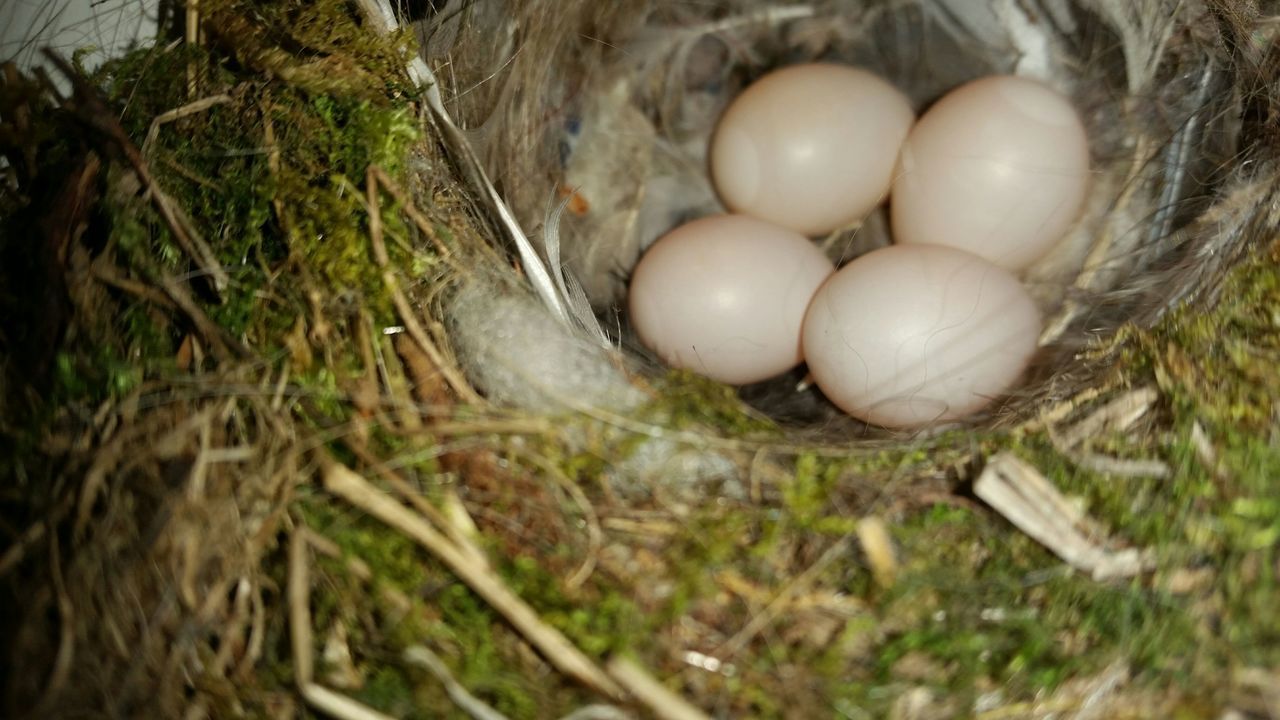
(393, 557)
(690, 400)
(990, 604)
(217, 163)
(1216, 372)
(323, 46)
(389, 690)
(600, 622)
(483, 654)
(268, 227)
(977, 604)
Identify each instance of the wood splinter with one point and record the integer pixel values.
(1021, 494)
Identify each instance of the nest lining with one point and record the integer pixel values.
(597, 135)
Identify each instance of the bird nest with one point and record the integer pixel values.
(318, 399)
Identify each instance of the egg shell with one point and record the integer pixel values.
(911, 335)
(810, 147)
(998, 167)
(725, 296)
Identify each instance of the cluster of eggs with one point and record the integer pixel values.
(931, 328)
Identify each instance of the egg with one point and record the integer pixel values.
(998, 167)
(810, 147)
(911, 335)
(725, 295)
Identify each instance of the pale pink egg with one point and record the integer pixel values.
(725, 296)
(998, 167)
(911, 335)
(810, 147)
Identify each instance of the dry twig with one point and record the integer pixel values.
(557, 649)
(1116, 416)
(62, 664)
(91, 110)
(468, 703)
(178, 113)
(407, 314)
(424, 225)
(657, 698)
(300, 633)
(801, 582)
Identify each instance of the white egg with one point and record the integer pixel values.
(998, 167)
(810, 147)
(725, 296)
(911, 335)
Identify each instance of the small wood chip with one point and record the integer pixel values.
(1025, 498)
(1116, 416)
(873, 535)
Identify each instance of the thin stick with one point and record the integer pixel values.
(470, 704)
(420, 220)
(654, 695)
(18, 550)
(1116, 416)
(178, 113)
(257, 635)
(299, 590)
(339, 706)
(321, 698)
(419, 503)
(1123, 467)
(415, 329)
(222, 344)
(766, 617)
(563, 655)
(192, 37)
(61, 672)
(90, 109)
(234, 629)
(95, 479)
(34, 534)
(133, 287)
(595, 535)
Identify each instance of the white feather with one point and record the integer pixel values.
(380, 11)
(568, 285)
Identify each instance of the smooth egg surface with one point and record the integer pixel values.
(911, 335)
(810, 147)
(725, 296)
(998, 167)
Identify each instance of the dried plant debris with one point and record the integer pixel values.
(1023, 496)
(289, 429)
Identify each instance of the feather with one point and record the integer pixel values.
(570, 289)
(380, 12)
(1144, 27)
(518, 354)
